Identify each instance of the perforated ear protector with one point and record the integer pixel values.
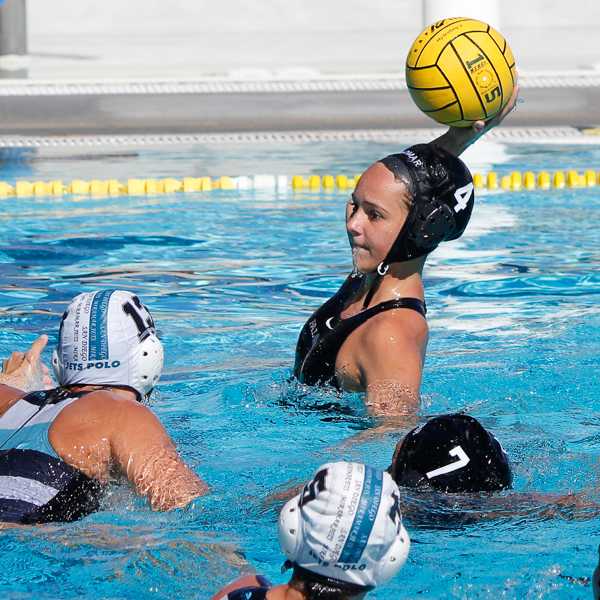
(289, 528)
(56, 365)
(432, 221)
(393, 560)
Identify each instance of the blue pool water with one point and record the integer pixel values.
(231, 277)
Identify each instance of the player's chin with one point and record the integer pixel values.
(366, 266)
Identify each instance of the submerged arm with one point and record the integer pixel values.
(569, 507)
(427, 509)
(145, 453)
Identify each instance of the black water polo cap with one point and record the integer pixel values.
(451, 453)
(441, 187)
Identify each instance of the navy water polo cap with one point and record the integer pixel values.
(441, 187)
(451, 453)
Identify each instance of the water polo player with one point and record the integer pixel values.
(58, 447)
(453, 454)
(372, 334)
(463, 464)
(356, 506)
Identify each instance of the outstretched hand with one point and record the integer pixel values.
(481, 127)
(26, 370)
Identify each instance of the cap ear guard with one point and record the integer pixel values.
(430, 225)
(442, 192)
(149, 363)
(395, 558)
(57, 366)
(290, 534)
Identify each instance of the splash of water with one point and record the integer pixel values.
(390, 398)
(164, 479)
(355, 270)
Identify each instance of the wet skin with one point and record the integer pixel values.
(384, 356)
(108, 432)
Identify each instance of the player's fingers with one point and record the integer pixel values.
(37, 348)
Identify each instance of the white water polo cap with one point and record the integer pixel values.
(346, 526)
(108, 337)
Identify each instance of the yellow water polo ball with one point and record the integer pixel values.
(460, 70)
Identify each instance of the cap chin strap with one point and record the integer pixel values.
(351, 589)
(403, 248)
(382, 268)
(376, 283)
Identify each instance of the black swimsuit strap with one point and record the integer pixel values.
(412, 303)
(325, 332)
(354, 321)
(43, 398)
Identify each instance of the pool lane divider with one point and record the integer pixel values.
(98, 188)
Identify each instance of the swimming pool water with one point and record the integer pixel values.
(514, 313)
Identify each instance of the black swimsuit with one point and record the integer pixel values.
(324, 333)
(252, 592)
(249, 593)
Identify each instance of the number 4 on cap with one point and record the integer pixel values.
(462, 196)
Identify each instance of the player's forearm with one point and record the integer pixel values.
(165, 480)
(179, 494)
(456, 140)
(391, 398)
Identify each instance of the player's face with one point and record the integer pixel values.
(375, 213)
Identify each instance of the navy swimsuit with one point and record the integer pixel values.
(36, 486)
(324, 333)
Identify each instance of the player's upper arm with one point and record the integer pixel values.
(145, 453)
(391, 362)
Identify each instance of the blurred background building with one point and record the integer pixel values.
(272, 40)
(184, 38)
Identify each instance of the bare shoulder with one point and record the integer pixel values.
(396, 327)
(105, 407)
